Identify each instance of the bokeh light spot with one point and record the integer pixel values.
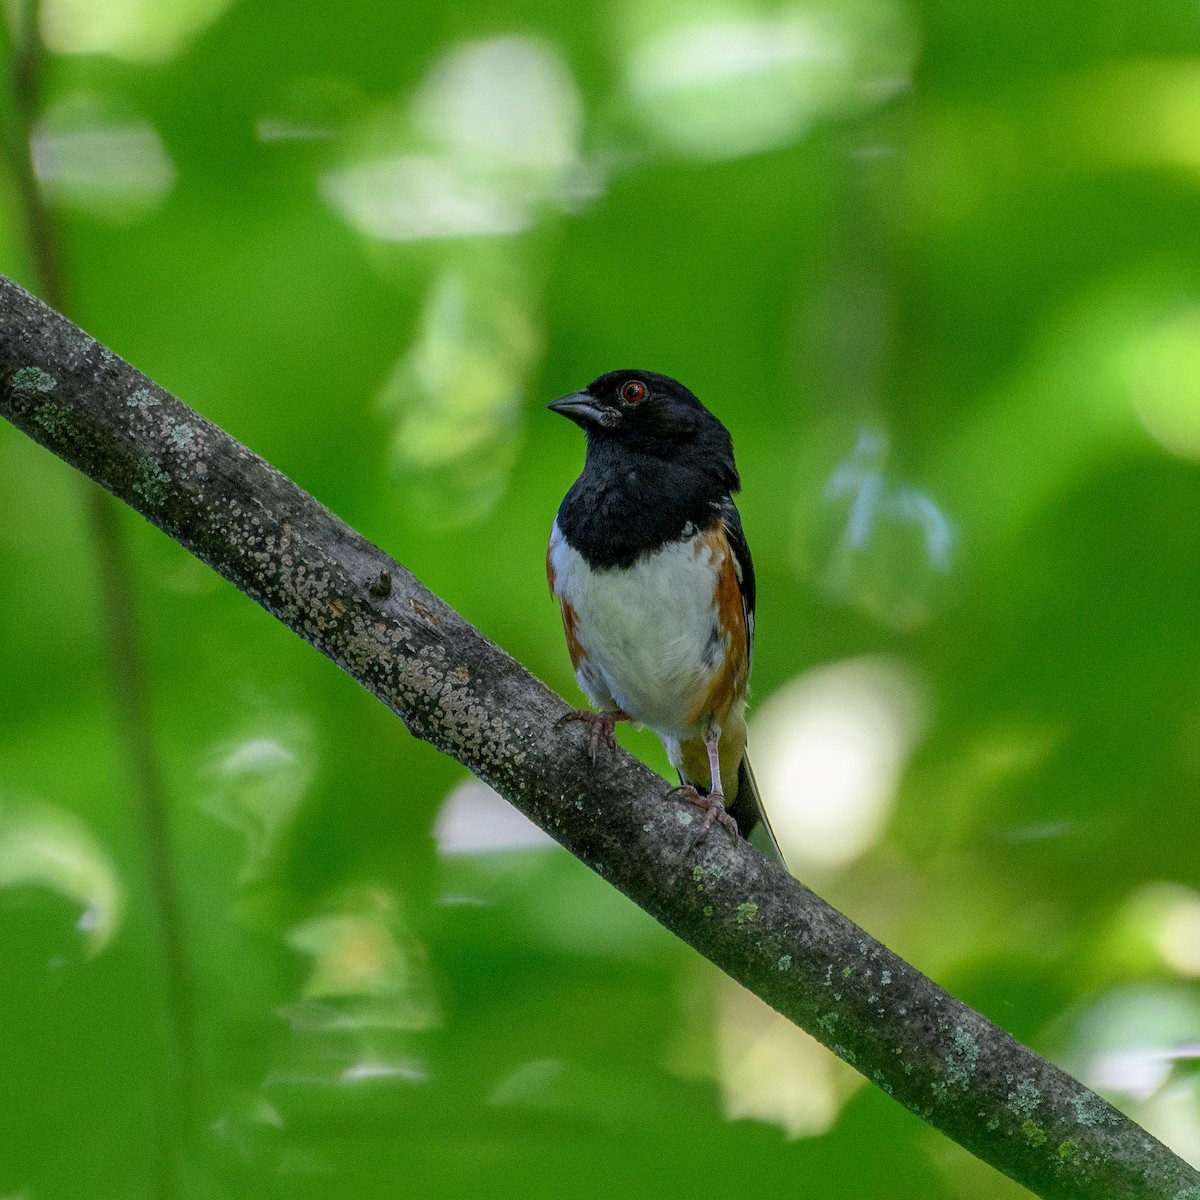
(1137, 1045)
(828, 749)
(137, 30)
(257, 784)
(1164, 380)
(490, 138)
(890, 543)
(772, 1071)
(723, 86)
(368, 972)
(49, 847)
(95, 155)
(474, 819)
(457, 394)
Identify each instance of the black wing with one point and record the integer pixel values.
(743, 564)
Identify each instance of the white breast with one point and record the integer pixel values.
(649, 632)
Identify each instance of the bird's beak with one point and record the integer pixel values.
(580, 408)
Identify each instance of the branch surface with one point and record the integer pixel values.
(452, 687)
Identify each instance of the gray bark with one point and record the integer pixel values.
(454, 688)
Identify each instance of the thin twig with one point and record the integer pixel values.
(118, 601)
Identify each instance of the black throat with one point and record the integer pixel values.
(626, 504)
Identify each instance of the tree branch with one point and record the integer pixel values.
(454, 688)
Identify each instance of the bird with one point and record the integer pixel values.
(653, 576)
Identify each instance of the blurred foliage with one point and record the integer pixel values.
(935, 264)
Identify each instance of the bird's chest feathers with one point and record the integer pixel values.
(650, 634)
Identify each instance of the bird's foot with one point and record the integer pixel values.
(713, 807)
(603, 726)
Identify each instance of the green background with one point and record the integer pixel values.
(936, 265)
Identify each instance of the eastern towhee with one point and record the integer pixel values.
(653, 575)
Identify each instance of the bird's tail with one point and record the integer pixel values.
(751, 817)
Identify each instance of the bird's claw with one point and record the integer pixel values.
(603, 725)
(713, 807)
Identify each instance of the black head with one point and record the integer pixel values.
(651, 415)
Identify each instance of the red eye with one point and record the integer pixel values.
(633, 391)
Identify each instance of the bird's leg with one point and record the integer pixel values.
(712, 805)
(603, 725)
